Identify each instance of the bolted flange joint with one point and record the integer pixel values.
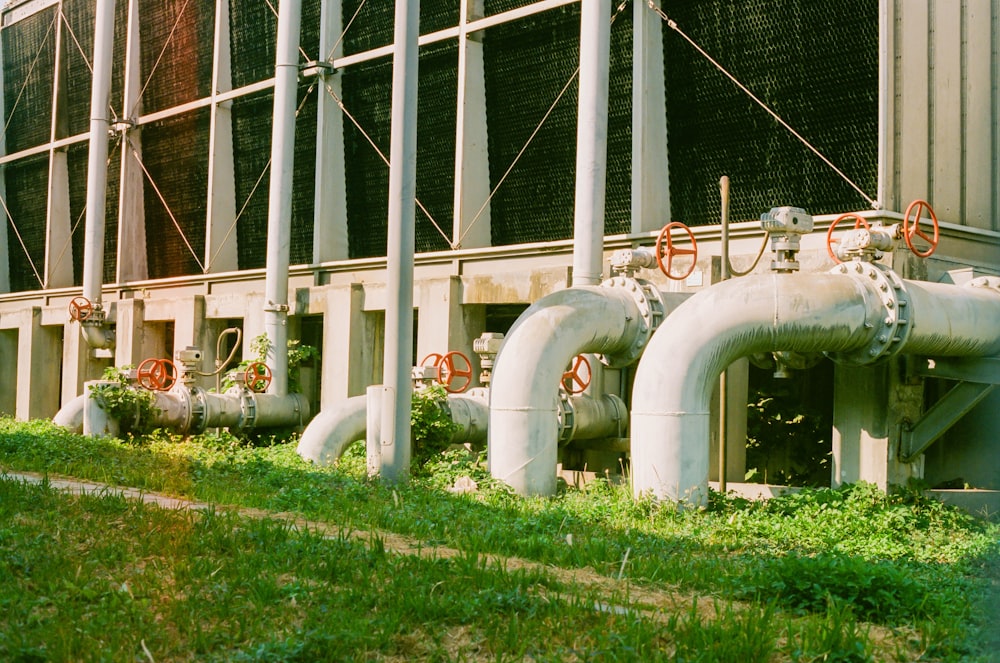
(651, 311)
(891, 331)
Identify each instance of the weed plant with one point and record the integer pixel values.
(836, 575)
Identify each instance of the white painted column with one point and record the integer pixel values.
(221, 247)
(591, 142)
(650, 172)
(397, 387)
(132, 264)
(4, 245)
(38, 374)
(472, 165)
(330, 239)
(58, 270)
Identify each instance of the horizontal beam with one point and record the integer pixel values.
(984, 370)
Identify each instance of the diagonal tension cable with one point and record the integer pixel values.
(673, 26)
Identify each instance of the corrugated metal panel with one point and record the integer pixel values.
(945, 108)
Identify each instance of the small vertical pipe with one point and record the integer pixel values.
(591, 142)
(279, 204)
(395, 432)
(97, 170)
(723, 397)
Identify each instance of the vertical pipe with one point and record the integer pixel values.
(886, 61)
(723, 396)
(395, 430)
(591, 142)
(279, 206)
(97, 170)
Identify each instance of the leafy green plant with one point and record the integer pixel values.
(133, 408)
(298, 356)
(431, 426)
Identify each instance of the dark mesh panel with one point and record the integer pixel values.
(367, 94)
(375, 23)
(251, 151)
(76, 159)
(26, 183)
(309, 35)
(815, 64)
(178, 35)
(618, 200)
(28, 48)
(527, 63)
(304, 177)
(499, 6)
(253, 29)
(175, 152)
(80, 16)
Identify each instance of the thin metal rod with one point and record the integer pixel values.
(397, 391)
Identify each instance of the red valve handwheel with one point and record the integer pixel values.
(435, 360)
(258, 377)
(80, 308)
(909, 232)
(665, 249)
(577, 378)
(830, 241)
(156, 374)
(448, 371)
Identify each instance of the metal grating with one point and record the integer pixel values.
(175, 152)
(76, 160)
(367, 92)
(176, 57)
(374, 25)
(26, 185)
(526, 65)
(814, 63)
(252, 32)
(28, 99)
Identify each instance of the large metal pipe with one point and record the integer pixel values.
(97, 157)
(70, 415)
(395, 427)
(279, 206)
(523, 430)
(333, 430)
(591, 142)
(845, 315)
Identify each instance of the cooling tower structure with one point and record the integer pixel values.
(174, 169)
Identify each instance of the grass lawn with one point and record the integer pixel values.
(293, 562)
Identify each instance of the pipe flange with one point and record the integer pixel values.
(891, 331)
(248, 408)
(651, 312)
(991, 282)
(566, 418)
(198, 407)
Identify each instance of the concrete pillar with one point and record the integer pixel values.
(869, 405)
(4, 246)
(347, 352)
(58, 270)
(8, 371)
(330, 241)
(131, 346)
(37, 373)
(471, 225)
(650, 175)
(737, 381)
(78, 363)
(442, 324)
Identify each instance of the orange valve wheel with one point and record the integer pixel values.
(80, 308)
(830, 241)
(577, 378)
(665, 249)
(454, 367)
(156, 374)
(908, 232)
(258, 376)
(434, 359)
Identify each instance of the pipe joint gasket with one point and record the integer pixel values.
(248, 409)
(566, 418)
(198, 408)
(651, 313)
(891, 331)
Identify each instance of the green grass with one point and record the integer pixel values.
(834, 575)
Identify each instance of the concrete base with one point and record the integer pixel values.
(981, 503)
